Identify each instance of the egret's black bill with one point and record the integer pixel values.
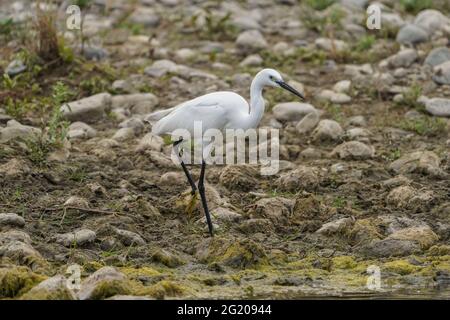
(284, 85)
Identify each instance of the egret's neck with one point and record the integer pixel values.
(256, 104)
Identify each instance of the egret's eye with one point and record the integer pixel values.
(272, 78)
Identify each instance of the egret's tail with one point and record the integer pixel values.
(158, 115)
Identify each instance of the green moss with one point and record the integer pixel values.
(42, 294)
(167, 258)
(143, 271)
(243, 254)
(344, 262)
(109, 288)
(439, 250)
(401, 267)
(16, 281)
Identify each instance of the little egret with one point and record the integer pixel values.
(217, 110)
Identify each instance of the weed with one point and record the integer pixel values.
(415, 6)
(320, 4)
(425, 126)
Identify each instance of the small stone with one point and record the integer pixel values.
(302, 178)
(357, 121)
(81, 130)
(87, 109)
(226, 215)
(331, 45)
(129, 238)
(251, 41)
(124, 134)
(136, 103)
(22, 253)
(15, 130)
(333, 97)
(292, 111)
(75, 201)
(336, 226)
(438, 56)
(103, 283)
(342, 86)
(134, 123)
(15, 67)
(354, 150)
(12, 220)
(308, 123)
(79, 238)
(54, 288)
(411, 34)
(145, 16)
(14, 169)
(431, 20)
(423, 235)
(14, 235)
(252, 60)
(327, 130)
(390, 248)
(150, 142)
(160, 67)
(442, 73)
(420, 162)
(359, 134)
(95, 53)
(403, 58)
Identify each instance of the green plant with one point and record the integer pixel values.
(6, 27)
(218, 27)
(415, 6)
(410, 97)
(365, 43)
(319, 4)
(425, 126)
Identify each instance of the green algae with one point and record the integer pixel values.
(18, 280)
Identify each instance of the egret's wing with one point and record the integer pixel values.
(205, 110)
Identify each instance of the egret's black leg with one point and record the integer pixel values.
(185, 169)
(201, 190)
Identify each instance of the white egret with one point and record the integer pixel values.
(217, 110)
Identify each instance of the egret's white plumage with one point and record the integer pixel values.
(218, 110)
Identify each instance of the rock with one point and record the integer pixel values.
(22, 253)
(391, 20)
(134, 123)
(14, 235)
(342, 86)
(167, 258)
(226, 215)
(359, 134)
(145, 16)
(11, 220)
(160, 68)
(390, 248)
(78, 238)
(103, 283)
(239, 177)
(426, 162)
(129, 238)
(150, 141)
(333, 97)
(354, 150)
(95, 53)
(423, 235)
(431, 20)
(123, 134)
(15, 67)
(336, 226)
(75, 201)
(275, 209)
(88, 109)
(252, 226)
(253, 60)
(308, 123)
(331, 45)
(437, 56)
(439, 107)
(409, 198)
(357, 121)
(54, 288)
(411, 34)
(185, 54)
(403, 58)
(172, 178)
(442, 74)
(250, 41)
(136, 103)
(327, 130)
(14, 169)
(81, 130)
(302, 178)
(15, 130)
(128, 297)
(292, 111)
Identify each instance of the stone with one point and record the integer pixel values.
(292, 111)
(78, 238)
(390, 248)
(359, 134)
(331, 45)
(342, 86)
(103, 283)
(124, 134)
(95, 53)
(81, 130)
(128, 297)
(439, 107)
(15, 67)
(136, 103)
(327, 130)
(354, 150)
(150, 142)
(431, 20)
(129, 238)
(253, 60)
(302, 178)
(22, 253)
(411, 34)
(54, 288)
(426, 162)
(11, 220)
(442, 74)
(14, 235)
(336, 226)
(357, 121)
(403, 58)
(13, 169)
(407, 197)
(239, 177)
(276, 209)
(226, 215)
(423, 235)
(75, 201)
(185, 54)
(134, 123)
(88, 109)
(145, 16)
(251, 41)
(308, 123)
(334, 97)
(15, 130)
(160, 68)
(437, 56)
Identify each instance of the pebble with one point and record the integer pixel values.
(15, 130)
(308, 123)
(292, 111)
(411, 34)
(251, 41)
(354, 150)
(333, 97)
(88, 109)
(327, 130)
(15, 67)
(79, 238)
(12, 220)
(437, 56)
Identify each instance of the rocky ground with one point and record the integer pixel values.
(365, 163)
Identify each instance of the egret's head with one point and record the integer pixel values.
(271, 77)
